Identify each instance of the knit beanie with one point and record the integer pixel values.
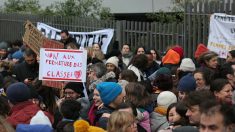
(113, 60)
(187, 83)
(187, 65)
(108, 91)
(40, 119)
(166, 98)
(18, 92)
(83, 126)
(201, 48)
(76, 87)
(179, 50)
(3, 45)
(163, 70)
(171, 57)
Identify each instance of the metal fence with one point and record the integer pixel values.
(189, 33)
(197, 19)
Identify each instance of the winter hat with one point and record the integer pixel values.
(108, 91)
(187, 83)
(171, 57)
(18, 92)
(76, 87)
(113, 60)
(83, 126)
(166, 98)
(33, 128)
(179, 50)
(40, 119)
(163, 70)
(3, 45)
(201, 48)
(187, 65)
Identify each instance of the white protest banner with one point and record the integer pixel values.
(85, 39)
(63, 65)
(221, 34)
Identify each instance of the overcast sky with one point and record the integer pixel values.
(124, 6)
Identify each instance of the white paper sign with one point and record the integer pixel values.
(63, 65)
(85, 39)
(221, 34)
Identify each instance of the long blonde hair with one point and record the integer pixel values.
(119, 121)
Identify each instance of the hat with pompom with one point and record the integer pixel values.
(83, 126)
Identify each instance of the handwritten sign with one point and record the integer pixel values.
(221, 34)
(63, 65)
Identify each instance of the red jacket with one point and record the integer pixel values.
(22, 113)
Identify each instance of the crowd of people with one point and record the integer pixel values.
(141, 91)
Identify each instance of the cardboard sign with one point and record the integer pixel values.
(63, 65)
(48, 43)
(33, 37)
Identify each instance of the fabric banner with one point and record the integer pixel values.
(63, 65)
(221, 34)
(85, 39)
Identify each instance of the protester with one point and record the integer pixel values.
(231, 56)
(138, 66)
(201, 48)
(193, 101)
(126, 54)
(140, 50)
(158, 117)
(96, 47)
(28, 70)
(186, 85)
(122, 121)
(128, 107)
(152, 65)
(112, 66)
(222, 90)
(186, 66)
(140, 99)
(112, 96)
(3, 50)
(74, 91)
(203, 78)
(66, 38)
(176, 115)
(95, 74)
(97, 104)
(128, 75)
(216, 117)
(70, 110)
(173, 57)
(156, 56)
(22, 110)
(210, 60)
